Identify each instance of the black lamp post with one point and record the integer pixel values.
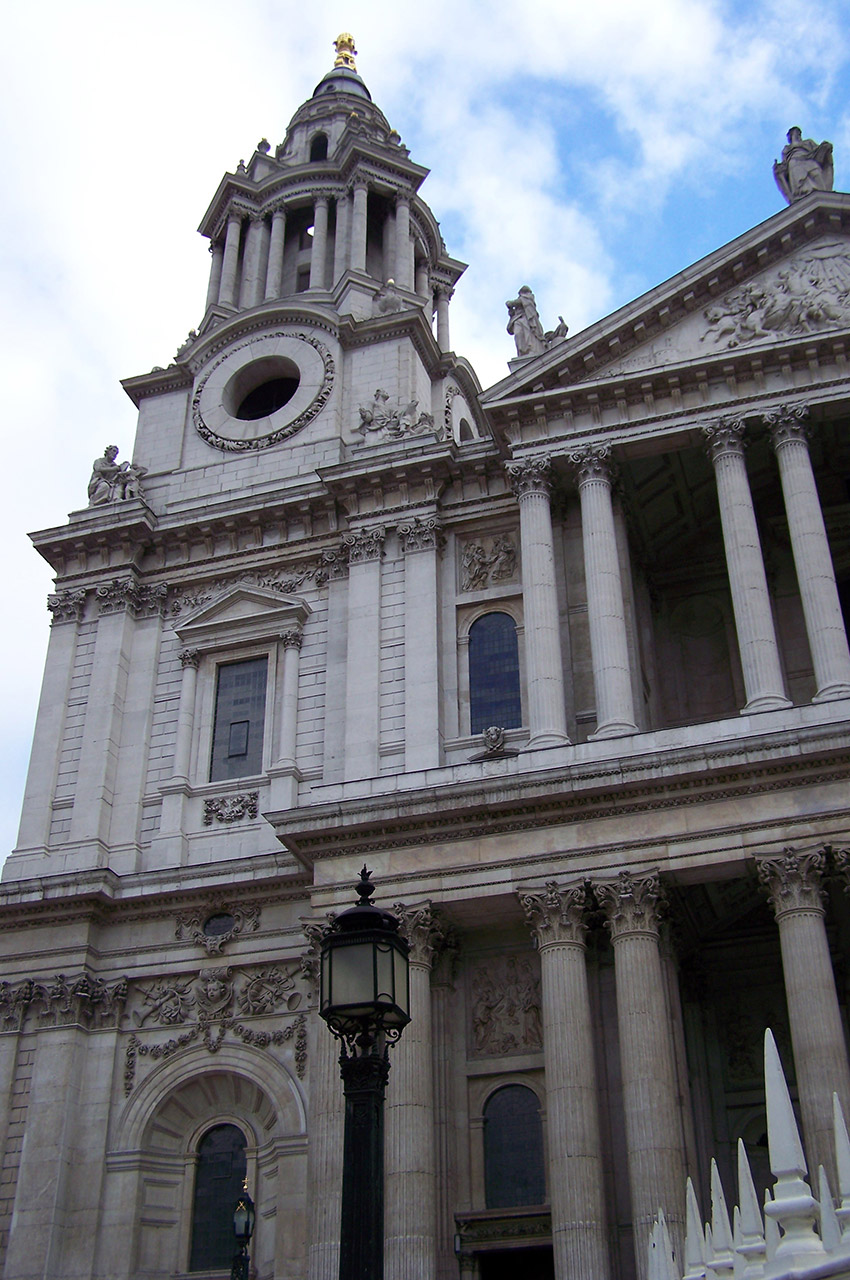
(365, 1001)
(244, 1216)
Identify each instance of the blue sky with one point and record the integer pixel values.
(589, 150)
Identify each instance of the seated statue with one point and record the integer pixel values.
(113, 481)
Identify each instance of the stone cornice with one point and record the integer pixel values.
(158, 382)
(616, 787)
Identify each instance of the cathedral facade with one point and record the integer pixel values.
(564, 662)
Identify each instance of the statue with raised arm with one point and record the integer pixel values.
(806, 166)
(525, 327)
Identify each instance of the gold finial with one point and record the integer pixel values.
(345, 51)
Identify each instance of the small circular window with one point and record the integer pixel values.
(261, 388)
(220, 923)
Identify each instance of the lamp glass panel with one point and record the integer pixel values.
(385, 975)
(402, 969)
(351, 976)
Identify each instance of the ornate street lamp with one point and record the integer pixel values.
(365, 1001)
(244, 1216)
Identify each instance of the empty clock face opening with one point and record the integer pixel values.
(261, 388)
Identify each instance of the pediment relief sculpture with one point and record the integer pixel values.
(809, 293)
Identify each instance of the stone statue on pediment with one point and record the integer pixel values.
(525, 328)
(113, 481)
(806, 166)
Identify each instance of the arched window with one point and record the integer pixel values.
(218, 1181)
(494, 697)
(513, 1149)
(319, 147)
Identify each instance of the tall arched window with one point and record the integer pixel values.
(218, 1181)
(513, 1149)
(319, 147)
(494, 697)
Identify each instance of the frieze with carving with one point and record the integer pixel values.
(267, 991)
(391, 420)
(487, 562)
(214, 925)
(319, 570)
(229, 809)
(167, 1003)
(506, 1006)
(61, 1001)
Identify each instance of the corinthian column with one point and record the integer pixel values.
(274, 268)
(410, 1171)
(320, 243)
(403, 247)
(606, 615)
(654, 1134)
(812, 559)
(747, 581)
(357, 249)
(363, 662)
(576, 1185)
(421, 541)
(794, 886)
(217, 252)
(227, 294)
(544, 670)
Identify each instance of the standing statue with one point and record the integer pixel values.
(525, 327)
(113, 481)
(806, 166)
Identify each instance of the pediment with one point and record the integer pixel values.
(240, 615)
(787, 280)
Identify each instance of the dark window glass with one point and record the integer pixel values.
(319, 147)
(240, 709)
(218, 1181)
(513, 1149)
(494, 673)
(267, 398)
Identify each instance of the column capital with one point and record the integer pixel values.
(787, 423)
(190, 658)
(724, 436)
(422, 929)
(531, 475)
(357, 183)
(557, 915)
(446, 291)
(402, 197)
(293, 638)
(631, 904)
(365, 544)
(421, 535)
(591, 463)
(67, 605)
(310, 960)
(793, 881)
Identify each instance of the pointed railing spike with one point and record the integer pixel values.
(830, 1231)
(661, 1264)
(721, 1259)
(793, 1206)
(751, 1246)
(842, 1160)
(740, 1263)
(695, 1253)
(771, 1229)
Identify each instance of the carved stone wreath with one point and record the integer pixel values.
(195, 926)
(287, 429)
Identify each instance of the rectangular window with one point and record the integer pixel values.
(240, 712)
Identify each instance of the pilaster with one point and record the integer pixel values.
(421, 541)
(363, 665)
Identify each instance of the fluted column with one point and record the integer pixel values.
(420, 276)
(320, 243)
(410, 1167)
(544, 669)
(403, 247)
(189, 661)
(654, 1135)
(291, 641)
(274, 270)
(444, 1024)
(576, 1179)
(747, 581)
(444, 294)
(343, 217)
(358, 226)
(326, 1115)
(606, 615)
(421, 541)
(250, 283)
(794, 886)
(363, 660)
(227, 294)
(214, 287)
(812, 558)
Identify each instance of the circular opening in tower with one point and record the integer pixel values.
(261, 388)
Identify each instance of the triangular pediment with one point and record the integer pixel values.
(786, 281)
(242, 614)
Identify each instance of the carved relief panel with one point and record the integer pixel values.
(504, 1005)
(489, 560)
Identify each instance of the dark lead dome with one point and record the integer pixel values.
(342, 80)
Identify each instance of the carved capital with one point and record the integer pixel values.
(293, 638)
(444, 291)
(591, 463)
(335, 561)
(557, 915)
(723, 437)
(794, 881)
(60, 1001)
(532, 475)
(787, 424)
(67, 606)
(631, 904)
(421, 535)
(190, 658)
(315, 931)
(126, 595)
(366, 544)
(422, 929)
